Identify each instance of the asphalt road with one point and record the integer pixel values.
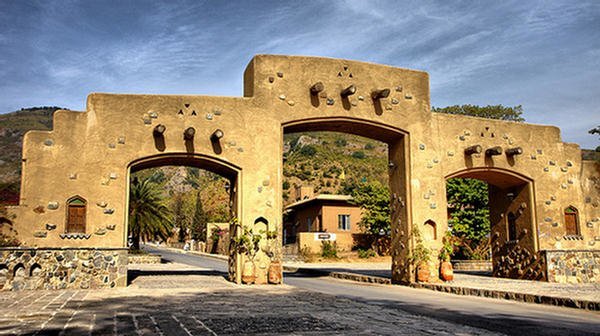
(513, 318)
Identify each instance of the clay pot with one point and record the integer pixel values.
(248, 273)
(423, 273)
(446, 272)
(275, 272)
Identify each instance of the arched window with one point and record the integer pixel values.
(430, 231)
(571, 221)
(512, 226)
(76, 210)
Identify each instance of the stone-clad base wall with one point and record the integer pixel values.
(573, 266)
(62, 268)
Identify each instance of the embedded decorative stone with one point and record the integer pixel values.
(547, 219)
(570, 181)
(422, 146)
(552, 163)
(113, 176)
(399, 88)
(112, 145)
(433, 205)
(291, 102)
(553, 198)
(546, 169)
(241, 150)
(436, 161)
(461, 137)
(40, 234)
(539, 151)
(388, 107)
(555, 224)
(121, 140)
(266, 182)
(563, 185)
(361, 98)
(588, 199)
(589, 224)
(39, 209)
(153, 114)
(429, 165)
(548, 202)
(269, 204)
(569, 163)
(109, 211)
(259, 189)
(450, 153)
(147, 121)
(271, 79)
(408, 96)
(52, 205)
(72, 176)
(354, 103)
(280, 74)
(282, 96)
(48, 142)
(102, 204)
(100, 232)
(330, 101)
(395, 101)
(533, 157)
(209, 116)
(111, 227)
(50, 227)
(217, 112)
(563, 169)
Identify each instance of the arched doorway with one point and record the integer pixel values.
(399, 177)
(513, 242)
(215, 165)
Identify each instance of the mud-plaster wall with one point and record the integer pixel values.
(88, 154)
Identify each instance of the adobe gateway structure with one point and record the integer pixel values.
(72, 216)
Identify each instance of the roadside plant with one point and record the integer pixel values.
(419, 254)
(329, 249)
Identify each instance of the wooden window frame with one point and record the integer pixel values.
(69, 205)
(573, 210)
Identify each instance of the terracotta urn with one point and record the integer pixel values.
(275, 272)
(248, 273)
(423, 272)
(446, 272)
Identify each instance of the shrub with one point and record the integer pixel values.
(341, 142)
(365, 254)
(308, 150)
(286, 185)
(359, 155)
(369, 146)
(329, 249)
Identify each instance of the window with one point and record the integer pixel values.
(571, 221)
(76, 208)
(344, 222)
(512, 227)
(309, 224)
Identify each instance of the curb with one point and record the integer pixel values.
(469, 291)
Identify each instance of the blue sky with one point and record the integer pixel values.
(544, 55)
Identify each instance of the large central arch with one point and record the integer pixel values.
(399, 175)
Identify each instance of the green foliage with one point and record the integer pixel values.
(341, 142)
(308, 150)
(447, 247)
(329, 250)
(365, 254)
(246, 242)
(374, 199)
(595, 130)
(359, 155)
(199, 221)
(149, 218)
(419, 254)
(369, 146)
(285, 185)
(490, 111)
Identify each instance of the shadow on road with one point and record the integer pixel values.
(133, 274)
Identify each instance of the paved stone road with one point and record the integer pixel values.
(172, 304)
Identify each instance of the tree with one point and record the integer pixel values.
(149, 218)
(468, 207)
(490, 111)
(199, 221)
(593, 131)
(179, 217)
(374, 199)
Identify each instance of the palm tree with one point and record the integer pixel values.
(149, 218)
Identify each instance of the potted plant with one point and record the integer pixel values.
(247, 243)
(420, 256)
(446, 272)
(274, 274)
